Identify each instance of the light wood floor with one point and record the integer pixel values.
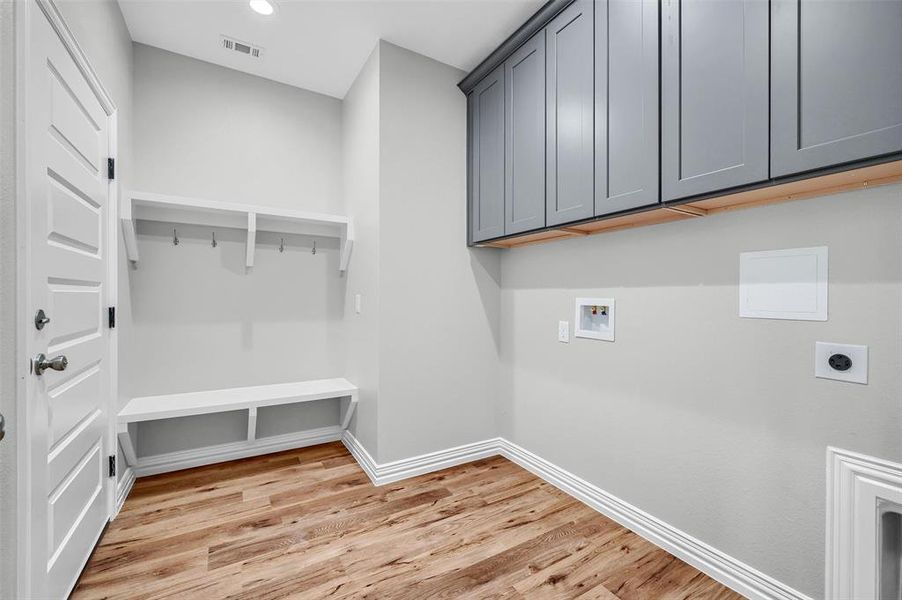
(308, 524)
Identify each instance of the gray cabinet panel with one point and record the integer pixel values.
(626, 105)
(714, 96)
(570, 136)
(836, 90)
(486, 157)
(524, 75)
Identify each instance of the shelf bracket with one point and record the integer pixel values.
(125, 441)
(251, 238)
(348, 405)
(347, 244)
(129, 235)
(252, 424)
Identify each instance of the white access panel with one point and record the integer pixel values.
(784, 284)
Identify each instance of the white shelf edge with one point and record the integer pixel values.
(239, 398)
(200, 206)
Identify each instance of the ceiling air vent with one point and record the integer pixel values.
(234, 45)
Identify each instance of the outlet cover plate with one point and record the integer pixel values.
(563, 332)
(858, 373)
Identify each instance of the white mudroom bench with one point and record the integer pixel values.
(151, 408)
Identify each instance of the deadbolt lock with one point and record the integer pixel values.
(40, 319)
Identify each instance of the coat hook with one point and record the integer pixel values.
(175, 238)
(314, 246)
(282, 245)
(214, 239)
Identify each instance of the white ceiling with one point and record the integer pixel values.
(321, 45)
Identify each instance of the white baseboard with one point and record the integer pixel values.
(417, 465)
(123, 487)
(186, 459)
(727, 570)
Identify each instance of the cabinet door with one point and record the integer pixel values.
(569, 154)
(524, 77)
(714, 96)
(626, 105)
(836, 91)
(485, 112)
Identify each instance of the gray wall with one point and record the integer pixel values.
(206, 131)
(360, 167)
(712, 423)
(198, 318)
(438, 351)
(424, 349)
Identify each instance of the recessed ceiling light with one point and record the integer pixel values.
(263, 7)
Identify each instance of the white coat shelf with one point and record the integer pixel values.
(151, 408)
(197, 211)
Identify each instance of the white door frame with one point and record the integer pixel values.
(24, 13)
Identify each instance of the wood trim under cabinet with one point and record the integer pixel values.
(833, 183)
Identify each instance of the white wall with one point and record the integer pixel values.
(438, 344)
(360, 169)
(713, 423)
(199, 319)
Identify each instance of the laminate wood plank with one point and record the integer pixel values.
(366, 554)
(472, 580)
(466, 542)
(307, 523)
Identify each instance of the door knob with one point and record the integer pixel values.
(57, 363)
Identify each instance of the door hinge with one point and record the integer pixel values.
(112, 458)
(111, 168)
(111, 316)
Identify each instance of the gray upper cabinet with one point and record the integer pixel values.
(714, 96)
(524, 108)
(836, 89)
(569, 119)
(486, 157)
(626, 105)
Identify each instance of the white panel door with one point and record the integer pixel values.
(67, 139)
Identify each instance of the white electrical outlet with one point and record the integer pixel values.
(843, 362)
(357, 303)
(563, 331)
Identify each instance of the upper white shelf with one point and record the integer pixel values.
(197, 211)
